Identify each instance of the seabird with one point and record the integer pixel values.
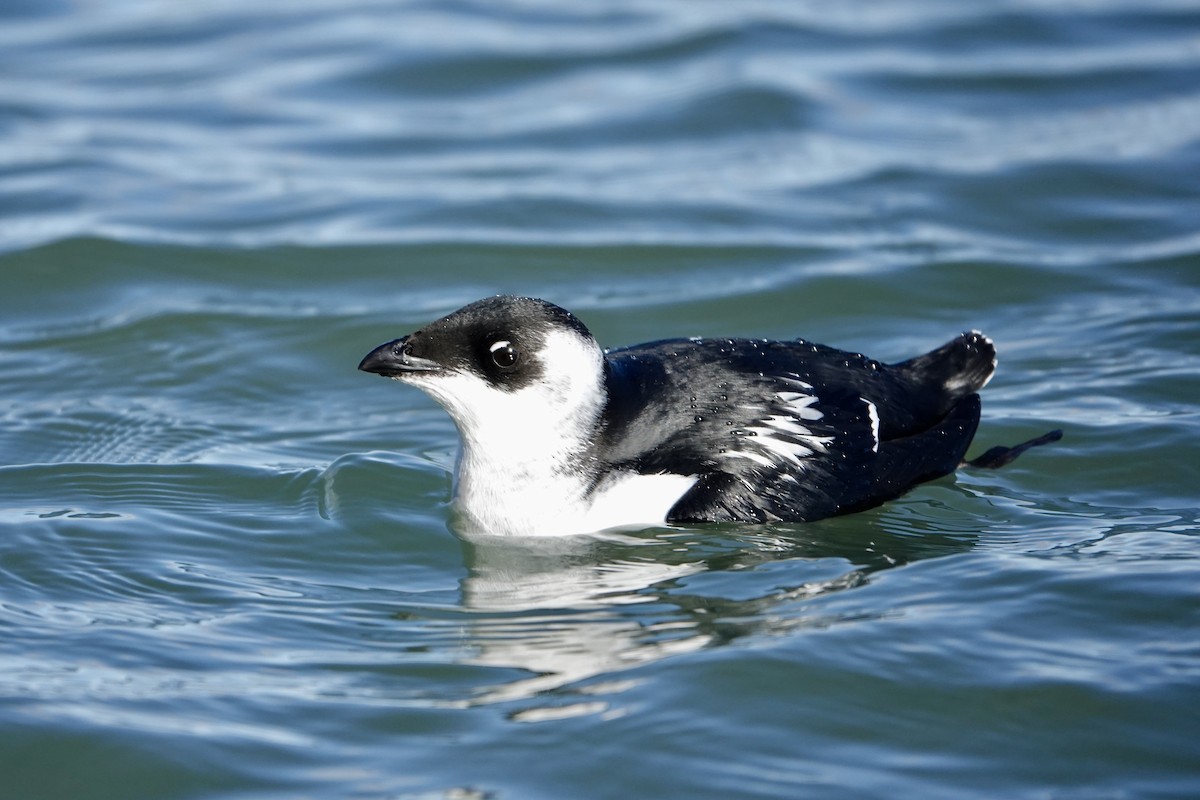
(562, 437)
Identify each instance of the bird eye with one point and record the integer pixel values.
(504, 355)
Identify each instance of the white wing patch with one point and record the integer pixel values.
(783, 439)
(873, 413)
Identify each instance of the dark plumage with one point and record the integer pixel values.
(683, 405)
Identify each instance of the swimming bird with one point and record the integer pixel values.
(560, 437)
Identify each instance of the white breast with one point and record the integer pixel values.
(637, 500)
(557, 504)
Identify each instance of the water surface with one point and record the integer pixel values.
(225, 567)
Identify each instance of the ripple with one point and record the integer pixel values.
(805, 100)
(130, 489)
(221, 540)
(92, 435)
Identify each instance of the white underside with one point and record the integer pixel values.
(556, 505)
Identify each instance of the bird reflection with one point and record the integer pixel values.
(575, 613)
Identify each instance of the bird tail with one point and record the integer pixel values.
(960, 367)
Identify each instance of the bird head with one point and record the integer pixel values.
(505, 368)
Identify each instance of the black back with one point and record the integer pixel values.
(683, 406)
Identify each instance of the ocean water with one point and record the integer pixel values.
(225, 565)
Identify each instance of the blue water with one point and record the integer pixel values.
(225, 566)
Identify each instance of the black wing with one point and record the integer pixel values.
(789, 430)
